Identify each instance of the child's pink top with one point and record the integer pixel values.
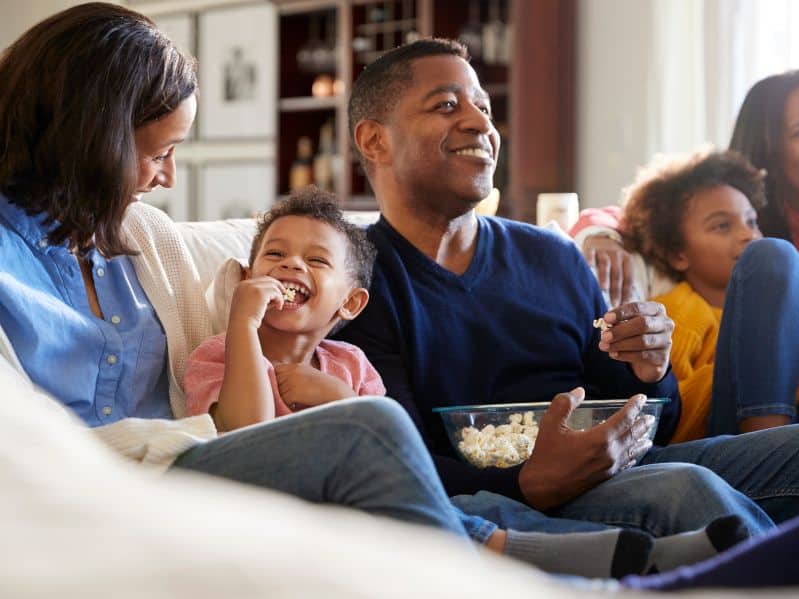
(206, 368)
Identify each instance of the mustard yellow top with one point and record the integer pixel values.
(696, 330)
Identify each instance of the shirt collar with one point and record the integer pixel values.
(31, 228)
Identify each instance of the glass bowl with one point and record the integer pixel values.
(503, 435)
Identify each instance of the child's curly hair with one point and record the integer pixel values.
(655, 204)
(321, 205)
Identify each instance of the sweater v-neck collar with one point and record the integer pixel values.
(413, 255)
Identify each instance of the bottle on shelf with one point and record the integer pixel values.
(471, 35)
(301, 173)
(323, 161)
(496, 37)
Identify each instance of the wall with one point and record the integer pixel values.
(614, 49)
(18, 15)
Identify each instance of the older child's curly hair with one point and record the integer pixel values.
(321, 205)
(656, 202)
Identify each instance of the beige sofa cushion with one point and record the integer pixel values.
(213, 242)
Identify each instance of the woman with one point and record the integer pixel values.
(97, 294)
(767, 133)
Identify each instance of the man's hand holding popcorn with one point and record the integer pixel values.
(639, 333)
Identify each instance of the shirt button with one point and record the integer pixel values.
(43, 243)
(116, 319)
(111, 359)
(107, 410)
(101, 272)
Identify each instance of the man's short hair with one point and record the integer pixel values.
(655, 204)
(320, 205)
(378, 88)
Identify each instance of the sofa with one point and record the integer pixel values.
(77, 521)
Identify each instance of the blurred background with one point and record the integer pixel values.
(583, 91)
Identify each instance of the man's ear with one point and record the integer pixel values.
(354, 304)
(679, 261)
(372, 141)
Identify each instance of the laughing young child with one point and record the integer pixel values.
(309, 274)
(693, 218)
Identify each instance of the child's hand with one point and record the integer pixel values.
(252, 298)
(304, 385)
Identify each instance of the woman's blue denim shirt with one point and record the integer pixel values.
(103, 369)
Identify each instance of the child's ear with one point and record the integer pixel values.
(371, 141)
(354, 304)
(679, 261)
(245, 273)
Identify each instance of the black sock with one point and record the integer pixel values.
(726, 532)
(632, 553)
(695, 546)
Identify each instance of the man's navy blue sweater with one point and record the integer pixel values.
(517, 326)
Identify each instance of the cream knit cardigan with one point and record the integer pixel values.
(167, 274)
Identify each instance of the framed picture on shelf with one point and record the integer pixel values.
(237, 50)
(175, 201)
(236, 190)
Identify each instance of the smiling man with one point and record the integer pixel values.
(467, 310)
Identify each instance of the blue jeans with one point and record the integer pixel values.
(763, 465)
(362, 453)
(485, 512)
(660, 499)
(756, 370)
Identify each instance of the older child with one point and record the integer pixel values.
(693, 218)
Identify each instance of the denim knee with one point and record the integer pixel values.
(381, 414)
(769, 258)
(686, 496)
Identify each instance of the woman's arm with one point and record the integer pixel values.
(596, 233)
(622, 276)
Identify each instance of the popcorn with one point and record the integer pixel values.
(599, 323)
(500, 446)
(289, 294)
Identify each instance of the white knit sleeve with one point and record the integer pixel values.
(169, 277)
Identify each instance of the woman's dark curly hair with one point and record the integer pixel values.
(656, 203)
(74, 89)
